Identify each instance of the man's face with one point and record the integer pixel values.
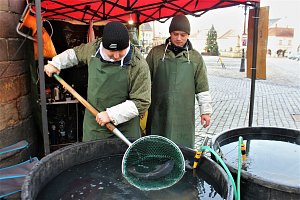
(115, 55)
(179, 38)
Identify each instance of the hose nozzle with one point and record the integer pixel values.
(243, 150)
(199, 153)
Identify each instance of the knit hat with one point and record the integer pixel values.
(115, 36)
(180, 23)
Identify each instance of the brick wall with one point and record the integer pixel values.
(16, 114)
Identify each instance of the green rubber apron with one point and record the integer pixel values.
(172, 112)
(107, 87)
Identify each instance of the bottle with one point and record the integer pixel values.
(62, 128)
(48, 94)
(72, 97)
(53, 135)
(56, 93)
(68, 96)
(62, 94)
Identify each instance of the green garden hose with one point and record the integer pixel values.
(239, 166)
(236, 192)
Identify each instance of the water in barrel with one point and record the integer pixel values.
(102, 179)
(275, 161)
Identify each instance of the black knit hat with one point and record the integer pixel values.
(180, 23)
(115, 36)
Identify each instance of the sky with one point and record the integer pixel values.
(233, 18)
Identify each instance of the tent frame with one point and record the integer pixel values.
(41, 56)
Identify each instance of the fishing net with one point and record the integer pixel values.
(153, 163)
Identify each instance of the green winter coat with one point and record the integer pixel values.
(114, 91)
(200, 72)
(175, 81)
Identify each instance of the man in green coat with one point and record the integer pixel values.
(178, 73)
(119, 82)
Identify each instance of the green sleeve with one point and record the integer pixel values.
(140, 83)
(150, 61)
(153, 58)
(85, 51)
(201, 80)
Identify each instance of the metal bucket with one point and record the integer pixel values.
(60, 161)
(262, 185)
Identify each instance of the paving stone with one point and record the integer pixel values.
(276, 100)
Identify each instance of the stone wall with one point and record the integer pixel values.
(16, 114)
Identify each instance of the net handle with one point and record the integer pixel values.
(88, 106)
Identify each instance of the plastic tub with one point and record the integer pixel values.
(262, 144)
(51, 167)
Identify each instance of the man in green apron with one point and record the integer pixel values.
(119, 82)
(178, 73)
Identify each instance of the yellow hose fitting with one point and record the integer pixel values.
(197, 158)
(243, 150)
(199, 153)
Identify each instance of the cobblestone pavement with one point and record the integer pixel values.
(276, 101)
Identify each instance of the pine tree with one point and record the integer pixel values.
(211, 42)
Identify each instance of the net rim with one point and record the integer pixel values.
(173, 144)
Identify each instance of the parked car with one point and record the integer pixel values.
(294, 56)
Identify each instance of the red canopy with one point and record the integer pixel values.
(140, 11)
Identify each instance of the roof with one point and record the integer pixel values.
(281, 32)
(145, 27)
(228, 34)
(273, 21)
(140, 11)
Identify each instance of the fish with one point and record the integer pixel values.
(159, 171)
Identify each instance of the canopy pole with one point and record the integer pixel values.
(42, 76)
(254, 58)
